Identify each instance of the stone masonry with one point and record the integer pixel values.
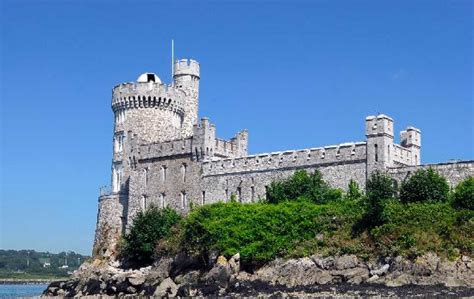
(164, 156)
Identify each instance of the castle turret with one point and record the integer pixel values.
(186, 78)
(411, 139)
(204, 140)
(240, 144)
(379, 133)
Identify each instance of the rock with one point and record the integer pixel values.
(373, 279)
(400, 280)
(221, 260)
(160, 270)
(323, 263)
(167, 288)
(292, 272)
(148, 289)
(234, 263)
(131, 290)
(183, 263)
(346, 262)
(137, 280)
(191, 277)
(381, 271)
(426, 265)
(92, 287)
(219, 275)
(356, 275)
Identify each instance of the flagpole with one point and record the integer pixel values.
(172, 60)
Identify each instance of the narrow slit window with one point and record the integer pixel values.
(376, 152)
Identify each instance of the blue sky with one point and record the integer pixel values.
(296, 74)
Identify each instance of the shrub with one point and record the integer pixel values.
(353, 191)
(147, 229)
(424, 185)
(463, 196)
(415, 228)
(261, 232)
(301, 184)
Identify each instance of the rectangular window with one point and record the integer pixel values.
(376, 152)
(144, 202)
(162, 200)
(184, 200)
(163, 174)
(183, 172)
(203, 197)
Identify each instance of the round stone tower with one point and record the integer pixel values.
(186, 78)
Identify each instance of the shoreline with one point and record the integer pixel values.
(32, 281)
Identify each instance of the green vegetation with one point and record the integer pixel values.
(380, 187)
(260, 231)
(30, 264)
(301, 184)
(463, 196)
(424, 185)
(302, 217)
(147, 229)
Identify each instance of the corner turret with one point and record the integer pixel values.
(411, 139)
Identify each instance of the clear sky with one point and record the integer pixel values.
(296, 74)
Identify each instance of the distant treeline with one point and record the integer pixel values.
(26, 263)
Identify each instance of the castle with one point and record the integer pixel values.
(164, 156)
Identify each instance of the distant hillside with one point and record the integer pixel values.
(29, 264)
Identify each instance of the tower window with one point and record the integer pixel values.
(184, 200)
(376, 152)
(145, 175)
(239, 194)
(203, 197)
(144, 202)
(183, 172)
(163, 174)
(162, 200)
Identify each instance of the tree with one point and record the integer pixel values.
(379, 188)
(353, 190)
(463, 196)
(301, 184)
(424, 185)
(147, 229)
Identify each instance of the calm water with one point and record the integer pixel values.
(21, 290)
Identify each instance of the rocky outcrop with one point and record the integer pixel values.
(185, 276)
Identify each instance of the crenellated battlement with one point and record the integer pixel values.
(186, 67)
(166, 149)
(342, 153)
(147, 95)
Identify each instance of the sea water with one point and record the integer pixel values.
(21, 290)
